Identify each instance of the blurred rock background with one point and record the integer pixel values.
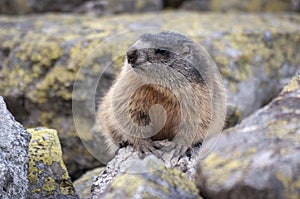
(109, 7)
(255, 44)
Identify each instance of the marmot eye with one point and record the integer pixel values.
(161, 51)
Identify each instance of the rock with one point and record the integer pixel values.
(109, 7)
(14, 142)
(96, 7)
(241, 5)
(197, 5)
(104, 7)
(83, 184)
(260, 158)
(134, 6)
(35, 6)
(128, 176)
(41, 57)
(48, 174)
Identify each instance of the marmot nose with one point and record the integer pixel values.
(132, 57)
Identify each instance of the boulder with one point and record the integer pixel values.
(34, 6)
(84, 183)
(128, 176)
(259, 158)
(96, 7)
(41, 55)
(48, 174)
(14, 156)
(108, 7)
(242, 5)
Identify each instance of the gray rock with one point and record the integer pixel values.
(48, 175)
(197, 5)
(109, 7)
(128, 176)
(40, 67)
(242, 5)
(97, 7)
(134, 6)
(83, 184)
(14, 157)
(34, 6)
(260, 158)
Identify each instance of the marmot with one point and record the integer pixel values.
(168, 88)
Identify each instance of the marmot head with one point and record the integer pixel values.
(165, 58)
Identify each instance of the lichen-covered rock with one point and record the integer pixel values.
(242, 5)
(103, 7)
(42, 54)
(48, 174)
(35, 6)
(128, 176)
(14, 156)
(98, 7)
(134, 6)
(84, 183)
(260, 158)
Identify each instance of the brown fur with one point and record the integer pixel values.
(125, 112)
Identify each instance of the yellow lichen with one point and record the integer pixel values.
(290, 185)
(293, 85)
(173, 177)
(280, 129)
(223, 167)
(49, 185)
(44, 149)
(250, 5)
(252, 150)
(133, 181)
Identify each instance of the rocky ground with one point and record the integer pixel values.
(110, 7)
(42, 55)
(257, 158)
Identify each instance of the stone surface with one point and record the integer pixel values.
(48, 174)
(98, 7)
(36, 6)
(84, 183)
(242, 5)
(128, 176)
(108, 7)
(42, 54)
(14, 156)
(259, 158)
(255, 5)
